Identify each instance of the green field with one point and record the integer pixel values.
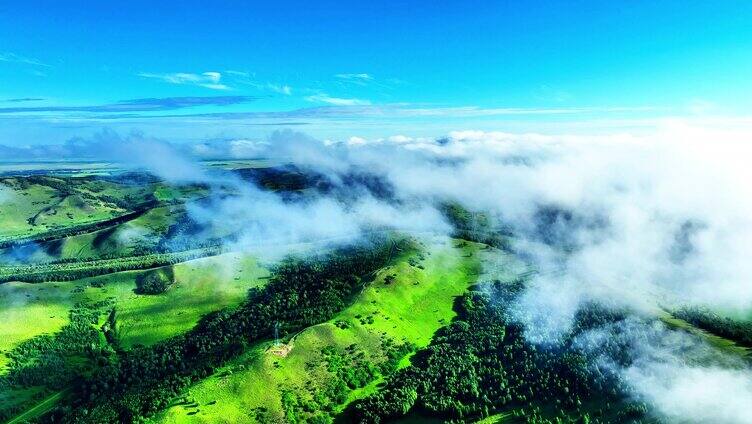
(202, 286)
(410, 308)
(43, 203)
(22, 205)
(45, 404)
(720, 343)
(28, 310)
(120, 240)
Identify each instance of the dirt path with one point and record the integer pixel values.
(39, 408)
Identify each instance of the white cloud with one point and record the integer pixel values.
(12, 57)
(336, 101)
(362, 77)
(238, 73)
(475, 111)
(247, 148)
(357, 79)
(696, 394)
(399, 139)
(247, 78)
(282, 89)
(356, 141)
(210, 79)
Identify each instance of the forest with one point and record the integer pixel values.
(481, 365)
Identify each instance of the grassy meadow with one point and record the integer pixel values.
(405, 304)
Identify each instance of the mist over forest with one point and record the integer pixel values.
(644, 226)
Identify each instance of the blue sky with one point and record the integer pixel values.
(193, 70)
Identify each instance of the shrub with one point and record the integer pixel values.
(155, 281)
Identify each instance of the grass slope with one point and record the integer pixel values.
(33, 206)
(406, 302)
(718, 342)
(22, 205)
(120, 240)
(201, 286)
(27, 310)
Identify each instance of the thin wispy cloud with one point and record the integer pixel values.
(137, 105)
(23, 99)
(351, 108)
(336, 101)
(701, 106)
(328, 120)
(334, 108)
(246, 78)
(367, 81)
(475, 111)
(15, 58)
(238, 73)
(360, 79)
(282, 89)
(210, 79)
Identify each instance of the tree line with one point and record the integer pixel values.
(737, 331)
(300, 293)
(69, 271)
(476, 226)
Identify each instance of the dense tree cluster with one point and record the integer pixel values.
(738, 331)
(185, 233)
(155, 281)
(481, 364)
(300, 293)
(476, 226)
(280, 178)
